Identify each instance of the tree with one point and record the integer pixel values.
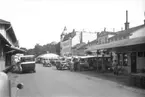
(57, 46)
(30, 52)
(50, 47)
(38, 49)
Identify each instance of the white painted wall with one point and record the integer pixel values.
(2, 64)
(76, 39)
(66, 47)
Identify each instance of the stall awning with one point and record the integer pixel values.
(120, 43)
(14, 50)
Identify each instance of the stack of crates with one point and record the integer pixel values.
(143, 82)
(137, 80)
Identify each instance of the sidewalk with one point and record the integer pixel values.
(122, 80)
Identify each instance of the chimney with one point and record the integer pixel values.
(105, 29)
(121, 28)
(81, 37)
(113, 29)
(127, 23)
(97, 35)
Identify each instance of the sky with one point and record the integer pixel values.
(42, 21)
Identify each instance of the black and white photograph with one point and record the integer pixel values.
(72, 48)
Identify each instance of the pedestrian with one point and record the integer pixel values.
(115, 67)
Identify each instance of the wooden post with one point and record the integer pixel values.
(103, 68)
(97, 61)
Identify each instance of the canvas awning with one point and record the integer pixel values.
(120, 43)
(14, 50)
(49, 56)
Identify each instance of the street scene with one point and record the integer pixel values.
(72, 48)
(49, 82)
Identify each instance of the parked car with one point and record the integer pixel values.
(27, 63)
(83, 64)
(62, 64)
(52, 61)
(47, 63)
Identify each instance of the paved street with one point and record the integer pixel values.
(49, 82)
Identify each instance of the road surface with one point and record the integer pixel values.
(49, 82)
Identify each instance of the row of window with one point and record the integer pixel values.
(141, 54)
(118, 38)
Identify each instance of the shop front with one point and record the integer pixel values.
(128, 53)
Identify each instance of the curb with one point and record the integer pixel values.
(137, 90)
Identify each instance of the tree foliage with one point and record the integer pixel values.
(50, 47)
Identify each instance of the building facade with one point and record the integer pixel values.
(103, 37)
(8, 44)
(127, 47)
(78, 49)
(66, 43)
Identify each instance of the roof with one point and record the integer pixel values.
(119, 43)
(93, 42)
(49, 56)
(81, 45)
(127, 32)
(78, 46)
(12, 34)
(4, 22)
(106, 33)
(69, 35)
(9, 29)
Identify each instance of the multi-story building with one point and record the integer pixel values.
(103, 37)
(66, 43)
(71, 44)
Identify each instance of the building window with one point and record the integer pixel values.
(140, 54)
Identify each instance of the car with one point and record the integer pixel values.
(27, 63)
(47, 63)
(62, 64)
(53, 62)
(83, 64)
